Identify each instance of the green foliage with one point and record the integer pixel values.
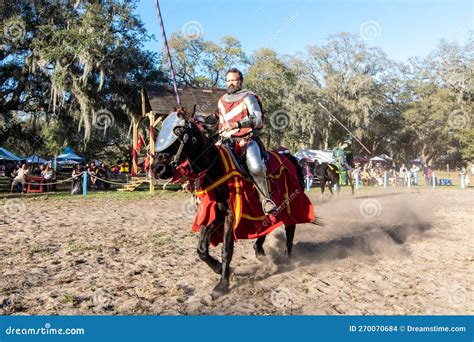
(200, 63)
(466, 142)
(67, 65)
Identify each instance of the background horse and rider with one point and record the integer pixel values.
(332, 175)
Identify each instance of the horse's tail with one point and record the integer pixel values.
(301, 181)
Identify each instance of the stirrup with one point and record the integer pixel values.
(270, 210)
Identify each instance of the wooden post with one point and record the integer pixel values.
(134, 147)
(151, 116)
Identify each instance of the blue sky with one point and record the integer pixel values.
(401, 28)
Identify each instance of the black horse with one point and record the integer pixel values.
(329, 174)
(199, 149)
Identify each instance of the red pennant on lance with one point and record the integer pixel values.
(294, 206)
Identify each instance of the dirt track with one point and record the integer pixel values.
(384, 252)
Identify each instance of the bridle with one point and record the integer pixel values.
(184, 140)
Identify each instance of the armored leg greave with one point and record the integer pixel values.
(258, 171)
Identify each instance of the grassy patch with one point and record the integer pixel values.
(71, 298)
(159, 240)
(75, 247)
(36, 249)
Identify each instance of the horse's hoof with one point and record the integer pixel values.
(259, 253)
(219, 291)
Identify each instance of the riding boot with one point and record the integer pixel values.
(268, 205)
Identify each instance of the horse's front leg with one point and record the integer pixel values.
(290, 235)
(258, 247)
(349, 178)
(203, 248)
(227, 251)
(330, 187)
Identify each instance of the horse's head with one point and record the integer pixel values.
(181, 138)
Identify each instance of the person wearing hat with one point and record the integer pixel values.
(339, 157)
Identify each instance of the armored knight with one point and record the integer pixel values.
(240, 117)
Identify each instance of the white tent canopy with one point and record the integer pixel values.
(385, 157)
(377, 159)
(322, 156)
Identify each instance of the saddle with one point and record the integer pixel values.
(236, 147)
(250, 221)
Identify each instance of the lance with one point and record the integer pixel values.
(167, 51)
(340, 123)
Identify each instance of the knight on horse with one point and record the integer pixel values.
(339, 154)
(241, 119)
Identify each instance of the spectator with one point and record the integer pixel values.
(92, 170)
(20, 178)
(392, 177)
(403, 174)
(76, 180)
(116, 171)
(428, 172)
(47, 174)
(414, 174)
(36, 171)
(101, 173)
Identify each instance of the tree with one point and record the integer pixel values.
(348, 77)
(200, 63)
(271, 79)
(79, 64)
(441, 108)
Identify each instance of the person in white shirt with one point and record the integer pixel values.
(413, 173)
(47, 174)
(20, 177)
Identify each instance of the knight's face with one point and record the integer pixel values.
(233, 82)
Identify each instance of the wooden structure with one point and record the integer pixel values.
(156, 102)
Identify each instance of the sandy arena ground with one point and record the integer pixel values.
(386, 251)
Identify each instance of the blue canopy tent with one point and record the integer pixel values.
(68, 157)
(34, 159)
(7, 155)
